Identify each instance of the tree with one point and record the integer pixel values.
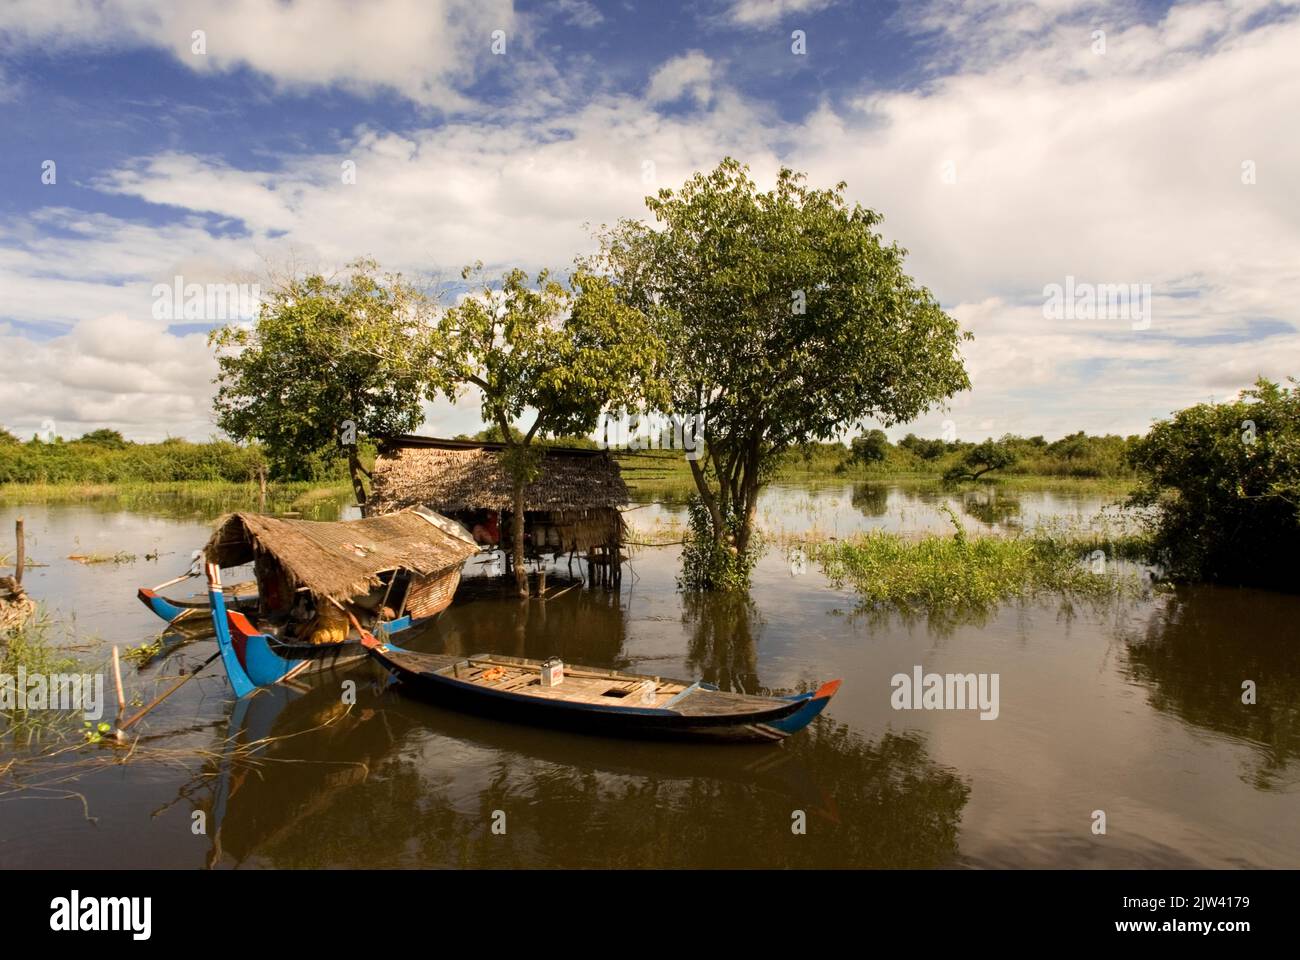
(560, 356)
(1223, 480)
(7, 438)
(328, 362)
(983, 458)
(869, 448)
(110, 439)
(787, 318)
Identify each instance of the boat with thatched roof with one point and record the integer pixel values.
(323, 585)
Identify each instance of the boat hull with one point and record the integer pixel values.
(178, 611)
(776, 718)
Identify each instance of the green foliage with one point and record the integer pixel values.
(871, 447)
(1224, 480)
(708, 564)
(7, 438)
(959, 574)
(983, 458)
(787, 318)
(568, 355)
(174, 460)
(324, 353)
(111, 439)
(926, 449)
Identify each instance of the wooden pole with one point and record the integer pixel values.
(117, 683)
(21, 558)
(168, 692)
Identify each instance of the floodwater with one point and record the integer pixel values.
(1133, 709)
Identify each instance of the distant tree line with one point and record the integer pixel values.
(1076, 455)
(105, 456)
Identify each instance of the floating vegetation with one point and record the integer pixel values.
(114, 558)
(965, 573)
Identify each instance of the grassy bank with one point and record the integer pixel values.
(185, 497)
(665, 475)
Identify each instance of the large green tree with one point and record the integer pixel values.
(547, 362)
(787, 318)
(328, 362)
(1224, 482)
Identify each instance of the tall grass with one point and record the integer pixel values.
(31, 647)
(961, 573)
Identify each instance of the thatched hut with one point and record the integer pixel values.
(573, 505)
(407, 562)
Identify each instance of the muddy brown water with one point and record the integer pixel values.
(1134, 709)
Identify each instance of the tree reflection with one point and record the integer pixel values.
(1203, 644)
(872, 500)
(723, 647)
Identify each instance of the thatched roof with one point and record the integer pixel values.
(343, 559)
(452, 475)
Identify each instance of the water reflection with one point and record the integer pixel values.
(871, 499)
(394, 782)
(723, 646)
(1198, 649)
(992, 507)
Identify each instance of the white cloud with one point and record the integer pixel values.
(426, 50)
(762, 13)
(690, 73)
(1122, 168)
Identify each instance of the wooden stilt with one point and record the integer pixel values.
(20, 560)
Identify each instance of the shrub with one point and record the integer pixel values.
(1224, 482)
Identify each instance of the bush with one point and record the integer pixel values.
(1224, 480)
(708, 564)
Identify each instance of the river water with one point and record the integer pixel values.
(1132, 710)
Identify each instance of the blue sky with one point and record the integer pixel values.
(1009, 146)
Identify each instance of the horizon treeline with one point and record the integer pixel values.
(106, 456)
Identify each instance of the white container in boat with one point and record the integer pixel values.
(649, 691)
(553, 672)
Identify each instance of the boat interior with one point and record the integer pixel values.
(581, 685)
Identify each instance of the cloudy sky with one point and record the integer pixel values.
(1009, 146)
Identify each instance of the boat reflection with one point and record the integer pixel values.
(307, 780)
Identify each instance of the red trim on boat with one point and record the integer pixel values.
(827, 689)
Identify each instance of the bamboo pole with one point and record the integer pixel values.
(117, 683)
(167, 693)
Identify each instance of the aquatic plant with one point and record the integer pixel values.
(968, 573)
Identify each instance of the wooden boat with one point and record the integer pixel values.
(383, 574)
(599, 701)
(239, 596)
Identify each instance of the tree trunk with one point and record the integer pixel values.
(517, 535)
(710, 501)
(355, 471)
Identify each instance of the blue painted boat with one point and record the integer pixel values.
(239, 597)
(382, 574)
(257, 658)
(593, 700)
